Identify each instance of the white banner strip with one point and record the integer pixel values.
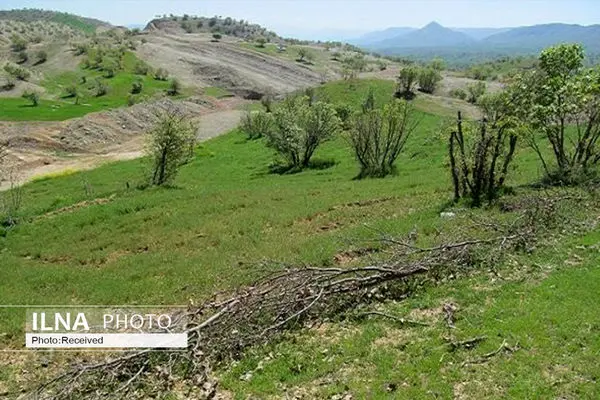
(105, 340)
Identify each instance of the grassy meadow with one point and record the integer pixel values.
(93, 237)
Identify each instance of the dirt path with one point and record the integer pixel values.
(37, 163)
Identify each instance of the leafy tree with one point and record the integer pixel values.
(428, 79)
(110, 66)
(379, 135)
(481, 152)
(217, 37)
(17, 72)
(18, 43)
(458, 93)
(300, 127)
(32, 96)
(561, 101)
(21, 57)
(137, 86)
(438, 64)
(170, 144)
(257, 124)
(100, 88)
(260, 42)
(40, 57)
(70, 91)
(406, 81)
(304, 54)
(475, 91)
(141, 68)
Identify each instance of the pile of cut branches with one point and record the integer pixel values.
(222, 329)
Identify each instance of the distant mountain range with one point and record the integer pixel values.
(437, 38)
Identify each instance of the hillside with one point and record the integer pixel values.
(84, 24)
(431, 35)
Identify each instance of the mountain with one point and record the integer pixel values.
(431, 35)
(84, 24)
(378, 36)
(539, 36)
(480, 33)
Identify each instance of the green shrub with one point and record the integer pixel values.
(174, 87)
(458, 93)
(136, 87)
(18, 43)
(100, 88)
(475, 91)
(406, 81)
(110, 66)
(428, 79)
(21, 57)
(17, 72)
(71, 91)
(32, 96)
(300, 127)
(216, 37)
(344, 113)
(257, 124)
(141, 68)
(40, 57)
(161, 74)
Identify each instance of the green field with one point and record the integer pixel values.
(54, 106)
(94, 238)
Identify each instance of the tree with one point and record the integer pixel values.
(41, 57)
(304, 54)
(352, 66)
(141, 68)
(174, 87)
(300, 127)
(428, 79)
(18, 44)
(32, 96)
(109, 66)
(561, 101)
(481, 153)
(216, 37)
(475, 91)
(379, 135)
(438, 64)
(260, 42)
(100, 88)
(170, 142)
(136, 87)
(17, 72)
(257, 124)
(161, 74)
(406, 80)
(21, 57)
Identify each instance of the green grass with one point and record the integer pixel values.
(217, 92)
(55, 107)
(226, 213)
(549, 321)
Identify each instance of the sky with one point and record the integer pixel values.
(335, 19)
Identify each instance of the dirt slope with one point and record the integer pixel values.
(40, 148)
(198, 61)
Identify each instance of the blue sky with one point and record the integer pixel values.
(330, 18)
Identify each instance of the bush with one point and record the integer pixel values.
(300, 128)
(110, 66)
(257, 124)
(17, 72)
(379, 135)
(216, 37)
(174, 87)
(481, 153)
(458, 93)
(21, 57)
(41, 57)
(406, 81)
(18, 43)
(131, 100)
(170, 145)
(100, 88)
(8, 84)
(305, 55)
(344, 113)
(267, 102)
(70, 91)
(428, 79)
(32, 96)
(141, 68)
(260, 42)
(161, 74)
(475, 91)
(136, 87)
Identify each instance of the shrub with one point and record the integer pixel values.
(70, 91)
(428, 79)
(257, 124)
(32, 96)
(174, 87)
(438, 64)
(8, 84)
(141, 68)
(131, 100)
(260, 42)
(17, 72)
(18, 43)
(110, 67)
(481, 153)
(136, 87)
(305, 55)
(379, 135)
(21, 57)
(300, 128)
(406, 81)
(100, 88)
(475, 91)
(170, 145)
(187, 27)
(41, 57)
(458, 93)
(344, 113)
(267, 102)
(161, 74)
(216, 37)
